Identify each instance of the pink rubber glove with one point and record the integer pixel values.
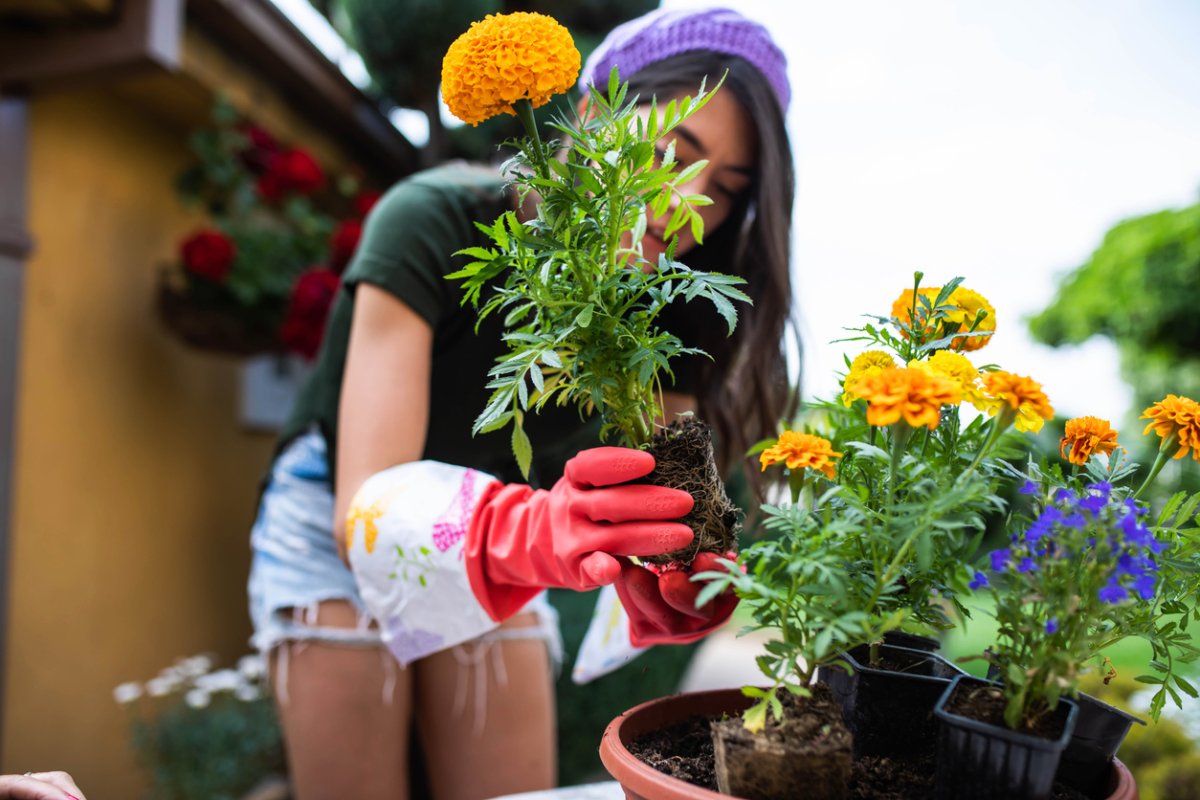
(662, 608)
(521, 541)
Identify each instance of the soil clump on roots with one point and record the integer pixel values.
(683, 459)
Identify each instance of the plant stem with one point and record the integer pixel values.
(1002, 421)
(1159, 462)
(524, 111)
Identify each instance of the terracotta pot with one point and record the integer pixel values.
(640, 781)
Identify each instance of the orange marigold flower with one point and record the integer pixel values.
(1018, 396)
(1176, 415)
(902, 308)
(912, 394)
(967, 305)
(1085, 436)
(505, 58)
(870, 362)
(801, 451)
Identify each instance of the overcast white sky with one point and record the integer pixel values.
(997, 141)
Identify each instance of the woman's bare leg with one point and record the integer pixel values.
(343, 740)
(500, 741)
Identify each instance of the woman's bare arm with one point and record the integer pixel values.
(384, 410)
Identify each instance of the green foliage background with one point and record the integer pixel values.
(1141, 289)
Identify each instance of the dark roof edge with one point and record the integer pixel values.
(258, 34)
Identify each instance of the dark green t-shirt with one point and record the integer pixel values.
(406, 249)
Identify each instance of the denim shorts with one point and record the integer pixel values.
(295, 563)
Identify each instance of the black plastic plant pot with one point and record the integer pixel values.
(990, 762)
(889, 709)
(1099, 731)
(912, 641)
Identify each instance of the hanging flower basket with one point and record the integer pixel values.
(215, 329)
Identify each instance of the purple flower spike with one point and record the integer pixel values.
(980, 581)
(1027, 565)
(1000, 559)
(1113, 592)
(1029, 487)
(1064, 496)
(1052, 626)
(1094, 504)
(1076, 520)
(1145, 586)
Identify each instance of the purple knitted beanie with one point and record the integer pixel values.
(668, 32)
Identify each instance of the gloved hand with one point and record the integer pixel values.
(662, 608)
(521, 541)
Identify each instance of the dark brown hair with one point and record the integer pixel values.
(744, 392)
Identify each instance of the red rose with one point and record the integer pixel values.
(365, 202)
(292, 171)
(209, 254)
(299, 172)
(312, 297)
(261, 147)
(343, 243)
(270, 187)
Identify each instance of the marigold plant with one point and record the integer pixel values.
(880, 538)
(888, 536)
(581, 308)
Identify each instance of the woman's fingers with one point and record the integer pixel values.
(40, 786)
(680, 591)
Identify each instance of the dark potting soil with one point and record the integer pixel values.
(986, 704)
(685, 751)
(683, 456)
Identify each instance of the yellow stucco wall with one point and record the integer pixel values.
(134, 487)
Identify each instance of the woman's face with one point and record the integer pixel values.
(723, 133)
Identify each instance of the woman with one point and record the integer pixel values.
(387, 417)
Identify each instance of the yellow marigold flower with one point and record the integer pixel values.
(871, 362)
(958, 368)
(967, 304)
(1085, 436)
(1018, 396)
(505, 58)
(801, 451)
(912, 394)
(1176, 415)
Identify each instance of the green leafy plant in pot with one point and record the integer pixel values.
(1086, 570)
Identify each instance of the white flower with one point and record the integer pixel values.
(225, 680)
(161, 686)
(247, 693)
(197, 698)
(127, 692)
(252, 667)
(195, 666)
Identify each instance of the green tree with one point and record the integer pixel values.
(1141, 289)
